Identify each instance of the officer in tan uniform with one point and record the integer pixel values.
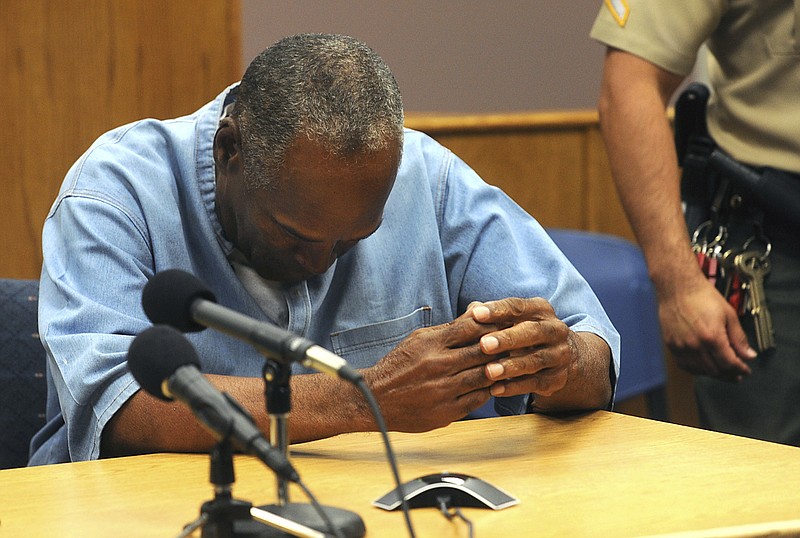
(729, 290)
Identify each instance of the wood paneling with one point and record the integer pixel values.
(552, 163)
(73, 69)
(532, 169)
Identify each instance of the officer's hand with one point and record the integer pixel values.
(703, 331)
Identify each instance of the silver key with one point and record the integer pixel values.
(754, 266)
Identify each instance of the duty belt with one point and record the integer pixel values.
(715, 186)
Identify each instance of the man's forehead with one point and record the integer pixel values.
(315, 189)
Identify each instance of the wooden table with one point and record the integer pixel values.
(596, 474)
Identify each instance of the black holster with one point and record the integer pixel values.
(710, 175)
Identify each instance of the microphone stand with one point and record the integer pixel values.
(278, 397)
(227, 517)
(345, 523)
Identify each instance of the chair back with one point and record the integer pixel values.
(616, 270)
(23, 384)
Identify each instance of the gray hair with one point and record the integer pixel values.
(333, 89)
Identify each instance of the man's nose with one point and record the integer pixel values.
(317, 259)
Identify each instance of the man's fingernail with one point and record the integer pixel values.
(497, 390)
(751, 353)
(495, 370)
(489, 343)
(480, 312)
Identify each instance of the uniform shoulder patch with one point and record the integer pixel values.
(619, 10)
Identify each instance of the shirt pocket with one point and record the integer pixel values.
(363, 346)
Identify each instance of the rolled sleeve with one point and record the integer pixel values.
(89, 311)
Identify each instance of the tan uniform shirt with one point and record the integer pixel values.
(753, 65)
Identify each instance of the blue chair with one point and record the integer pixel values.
(615, 269)
(23, 385)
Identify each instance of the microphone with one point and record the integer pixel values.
(177, 298)
(166, 365)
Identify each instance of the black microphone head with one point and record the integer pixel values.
(167, 299)
(156, 353)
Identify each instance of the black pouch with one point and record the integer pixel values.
(693, 144)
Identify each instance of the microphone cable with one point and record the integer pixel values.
(451, 512)
(318, 507)
(376, 412)
(381, 423)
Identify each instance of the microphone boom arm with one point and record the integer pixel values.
(275, 343)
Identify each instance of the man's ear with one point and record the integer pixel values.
(227, 147)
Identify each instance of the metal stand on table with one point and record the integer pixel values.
(278, 397)
(227, 517)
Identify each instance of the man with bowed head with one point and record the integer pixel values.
(299, 199)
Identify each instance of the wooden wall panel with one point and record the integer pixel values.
(604, 211)
(553, 164)
(73, 69)
(532, 169)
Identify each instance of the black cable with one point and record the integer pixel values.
(451, 512)
(318, 507)
(376, 412)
